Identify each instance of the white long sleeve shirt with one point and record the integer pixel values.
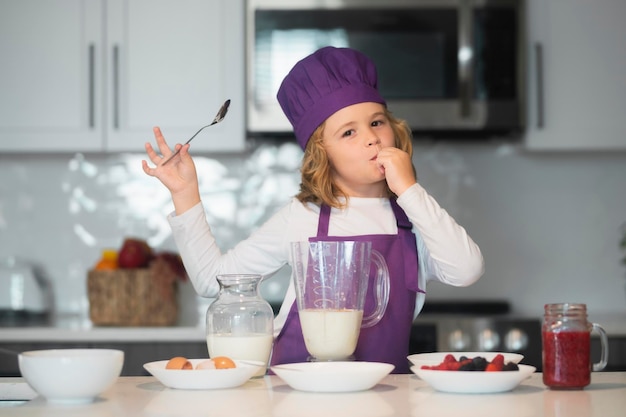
(445, 251)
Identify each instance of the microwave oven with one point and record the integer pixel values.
(450, 68)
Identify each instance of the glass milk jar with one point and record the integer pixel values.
(240, 323)
(566, 337)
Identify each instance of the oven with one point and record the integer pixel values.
(458, 326)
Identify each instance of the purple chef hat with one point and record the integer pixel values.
(323, 83)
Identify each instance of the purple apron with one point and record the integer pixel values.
(388, 340)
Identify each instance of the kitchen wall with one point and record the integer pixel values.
(548, 223)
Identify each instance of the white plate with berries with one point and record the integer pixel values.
(474, 373)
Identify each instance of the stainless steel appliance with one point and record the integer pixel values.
(448, 67)
(477, 326)
(25, 297)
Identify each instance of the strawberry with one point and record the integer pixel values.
(492, 367)
(498, 359)
(496, 364)
(449, 358)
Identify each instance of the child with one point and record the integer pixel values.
(358, 183)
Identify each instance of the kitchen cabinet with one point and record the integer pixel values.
(577, 61)
(97, 75)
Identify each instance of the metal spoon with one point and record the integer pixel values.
(218, 118)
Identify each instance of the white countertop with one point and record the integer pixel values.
(396, 395)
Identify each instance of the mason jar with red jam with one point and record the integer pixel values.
(566, 338)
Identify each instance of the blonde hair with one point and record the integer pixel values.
(317, 184)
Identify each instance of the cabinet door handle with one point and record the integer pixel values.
(465, 57)
(539, 74)
(116, 86)
(92, 85)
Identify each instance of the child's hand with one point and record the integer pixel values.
(178, 175)
(398, 169)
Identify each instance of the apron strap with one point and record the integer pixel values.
(323, 221)
(405, 232)
(401, 218)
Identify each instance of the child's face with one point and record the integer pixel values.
(353, 136)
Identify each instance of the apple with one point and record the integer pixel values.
(135, 253)
(174, 262)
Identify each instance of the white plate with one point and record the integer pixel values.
(203, 378)
(435, 358)
(474, 382)
(332, 376)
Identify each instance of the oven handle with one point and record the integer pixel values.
(465, 57)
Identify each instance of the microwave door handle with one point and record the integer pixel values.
(539, 74)
(465, 58)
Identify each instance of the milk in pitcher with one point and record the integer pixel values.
(330, 334)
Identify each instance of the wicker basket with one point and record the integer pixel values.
(133, 297)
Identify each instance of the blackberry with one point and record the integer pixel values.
(468, 366)
(479, 363)
(510, 366)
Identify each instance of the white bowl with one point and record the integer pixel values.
(474, 382)
(332, 376)
(204, 378)
(435, 358)
(71, 375)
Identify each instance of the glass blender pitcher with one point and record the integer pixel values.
(331, 280)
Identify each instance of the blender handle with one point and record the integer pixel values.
(381, 291)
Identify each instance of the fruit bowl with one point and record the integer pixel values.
(473, 382)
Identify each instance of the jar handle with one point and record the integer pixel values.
(604, 341)
(381, 290)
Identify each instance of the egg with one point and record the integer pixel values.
(223, 362)
(208, 364)
(178, 362)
